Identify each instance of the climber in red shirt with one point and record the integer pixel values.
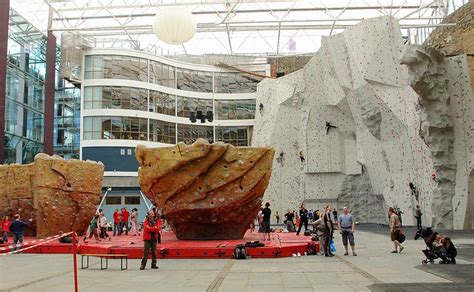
(151, 228)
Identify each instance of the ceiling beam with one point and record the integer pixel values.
(137, 30)
(236, 11)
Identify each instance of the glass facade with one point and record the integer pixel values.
(67, 120)
(116, 67)
(235, 109)
(24, 104)
(194, 80)
(237, 136)
(190, 133)
(162, 132)
(140, 69)
(162, 103)
(236, 83)
(187, 104)
(170, 104)
(115, 97)
(131, 128)
(124, 128)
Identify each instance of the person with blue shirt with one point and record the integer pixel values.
(17, 228)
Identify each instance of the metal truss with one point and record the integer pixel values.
(232, 23)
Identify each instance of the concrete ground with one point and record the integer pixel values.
(374, 269)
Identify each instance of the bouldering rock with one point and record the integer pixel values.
(206, 191)
(16, 196)
(58, 194)
(66, 193)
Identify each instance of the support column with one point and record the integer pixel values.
(4, 19)
(49, 92)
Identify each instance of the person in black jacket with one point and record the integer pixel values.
(303, 219)
(329, 230)
(17, 227)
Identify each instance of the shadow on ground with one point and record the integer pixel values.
(460, 275)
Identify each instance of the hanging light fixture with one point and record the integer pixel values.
(174, 25)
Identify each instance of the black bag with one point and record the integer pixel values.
(311, 249)
(401, 237)
(240, 253)
(307, 233)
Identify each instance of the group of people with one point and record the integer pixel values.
(99, 225)
(328, 222)
(16, 227)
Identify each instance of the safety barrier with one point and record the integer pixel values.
(30, 244)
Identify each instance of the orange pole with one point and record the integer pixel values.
(74, 252)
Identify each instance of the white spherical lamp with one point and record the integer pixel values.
(174, 25)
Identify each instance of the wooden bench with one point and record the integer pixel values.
(106, 256)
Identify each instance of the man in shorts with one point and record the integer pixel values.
(346, 226)
(395, 225)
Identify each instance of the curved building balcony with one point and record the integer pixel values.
(130, 98)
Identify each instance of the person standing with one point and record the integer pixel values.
(117, 222)
(329, 230)
(151, 228)
(103, 225)
(125, 219)
(395, 230)
(266, 220)
(418, 215)
(93, 227)
(290, 224)
(277, 217)
(5, 228)
(134, 220)
(334, 214)
(303, 219)
(346, 226)
(17, 227)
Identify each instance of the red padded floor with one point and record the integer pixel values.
(281, 245)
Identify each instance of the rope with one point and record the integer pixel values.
(39, 242)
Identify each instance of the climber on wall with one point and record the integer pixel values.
(302, 157)
(329, 126)
(260, 107)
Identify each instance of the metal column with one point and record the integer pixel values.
(4, 19)
(49, 92)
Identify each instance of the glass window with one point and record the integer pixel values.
(115, 97)
(189, 104)
(236, 82)
(113, 200)
(163, 132)
(162, 103)
(162, 74)
(237, 136)
(132, 200)
(189, 134)
(235, 109)
(194, 80)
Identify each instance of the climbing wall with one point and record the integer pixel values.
(356, 83)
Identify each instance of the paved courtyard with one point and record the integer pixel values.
(374, 269)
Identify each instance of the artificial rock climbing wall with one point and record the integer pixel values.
(206, 191)
(356, 83)
(58, 194)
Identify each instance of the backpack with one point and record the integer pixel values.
(240, 253)
(307, 233)
(311, 249)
